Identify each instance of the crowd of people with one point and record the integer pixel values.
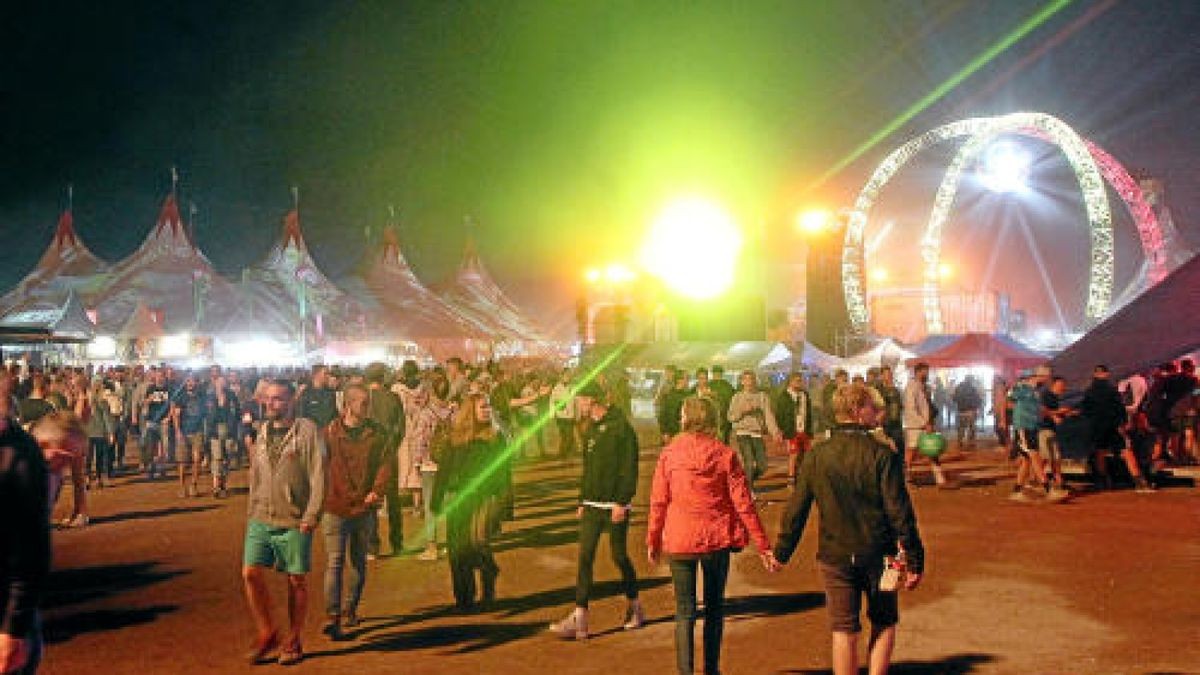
(336, 450)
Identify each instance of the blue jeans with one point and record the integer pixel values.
(428, 479)
(715, 566)
(753, 453)
(345, 536)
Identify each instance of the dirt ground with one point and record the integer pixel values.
(1104, 583)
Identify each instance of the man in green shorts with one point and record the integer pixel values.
(287, 487)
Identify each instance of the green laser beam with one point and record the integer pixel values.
(521, 438)
(1049, 10)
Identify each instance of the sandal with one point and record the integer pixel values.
(261, 648)
(291, 654)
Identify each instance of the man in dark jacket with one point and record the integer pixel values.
(671, 405)
(793, 415)
(610, 467)
(24, 540)
(359, 474)
(385, 409)
(858, 486)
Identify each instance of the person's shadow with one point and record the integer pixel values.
(957, 664)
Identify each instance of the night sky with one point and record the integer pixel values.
(561, 127)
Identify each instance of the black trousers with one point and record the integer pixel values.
(566, 436)
(715, 567)
(468, 538)
(594, 523)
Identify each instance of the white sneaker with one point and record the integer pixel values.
(1058, 495)
(574, 627)
(80, 520)
(1019, 497)
(428, 555)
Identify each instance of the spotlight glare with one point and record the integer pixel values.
(693, 248)
(1005, 167)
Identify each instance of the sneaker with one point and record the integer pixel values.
(1142, 486)
(635, 617)
(1058, 495)
(428, 555)
(1019, 497)
(574, 627)
(351, 620)
(332, 629)
(80, 520)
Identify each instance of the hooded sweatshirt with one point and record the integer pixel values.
(700, 501)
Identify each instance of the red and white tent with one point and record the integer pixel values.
(288, 287)
(170, 276)
(391, 290)
(66, 265)
(476, 296)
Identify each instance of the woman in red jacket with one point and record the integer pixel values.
(700, 511)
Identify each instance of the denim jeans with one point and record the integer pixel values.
(593, 523)
(715, 566)
(345, 536)
(220, 450)
(428, 480)
(753, 453)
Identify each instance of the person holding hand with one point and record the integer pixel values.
(701, 511)
(857, 483)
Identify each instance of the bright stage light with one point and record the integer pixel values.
(616, 273)
(1004, 167)
(879, 275)
(102, 347)
(945, 270)
(592, 275)
(815, 221)
(174, 346)
(693, 248)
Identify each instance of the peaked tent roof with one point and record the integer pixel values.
(813, 357)
(1157, 326)
(288, 283)
(479, 298)
(66, 323)
(167, 273)
(387, 285)
(887, 352)
(974, 349)
(141, 325)
(66, 265)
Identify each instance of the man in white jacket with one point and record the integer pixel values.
(919, 418)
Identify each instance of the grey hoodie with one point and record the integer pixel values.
(290, 492)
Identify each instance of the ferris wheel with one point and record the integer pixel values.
(1092, 166)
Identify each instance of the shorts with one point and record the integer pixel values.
(845, 586)
(191, 450)
(285, 549)
(1024, 443)
(151, 433)
(1048, 444)
(798, 444)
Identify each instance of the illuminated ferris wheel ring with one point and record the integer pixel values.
(1092, 167)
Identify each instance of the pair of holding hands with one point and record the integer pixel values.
(767, 558)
